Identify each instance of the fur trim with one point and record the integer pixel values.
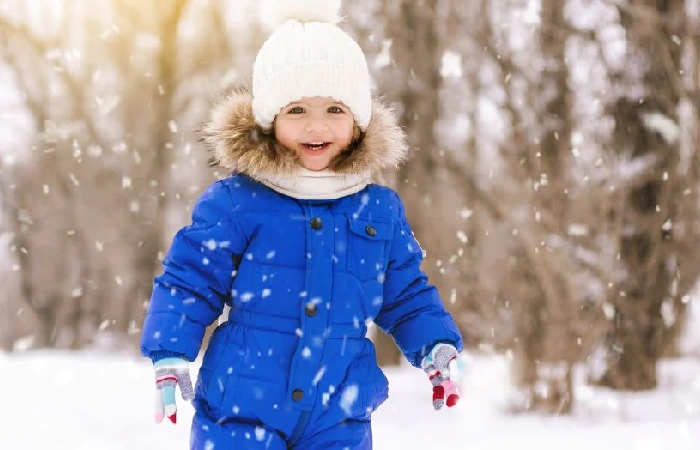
(238, 145)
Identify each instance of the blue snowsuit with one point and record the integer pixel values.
(291, 367)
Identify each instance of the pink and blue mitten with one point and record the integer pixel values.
(437, 365)
(171, 372)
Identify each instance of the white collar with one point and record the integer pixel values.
(316, 185)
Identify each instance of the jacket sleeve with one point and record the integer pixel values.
(197, 277)
(412, 312)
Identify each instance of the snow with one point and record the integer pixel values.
(664, 125)
(95, 401)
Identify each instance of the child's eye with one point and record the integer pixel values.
(335, 110)
(296, 110)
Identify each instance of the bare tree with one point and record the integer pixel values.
(34, 218)
(548, 336)
(150, 218)
(640, 134)
(413, 81)
(101, 144)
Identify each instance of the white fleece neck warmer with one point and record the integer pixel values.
(316, 185)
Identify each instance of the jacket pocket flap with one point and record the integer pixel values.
(370, 229)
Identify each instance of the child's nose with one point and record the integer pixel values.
(316, 125)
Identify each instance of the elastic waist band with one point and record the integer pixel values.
(288, 325)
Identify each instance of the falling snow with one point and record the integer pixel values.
(348, 397)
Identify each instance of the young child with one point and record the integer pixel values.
(305, 248)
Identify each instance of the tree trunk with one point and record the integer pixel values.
(416, 52)
(638, 327)
(151, 228)
(547, 349)
(552, 196)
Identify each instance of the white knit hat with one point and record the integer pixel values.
(307, 55)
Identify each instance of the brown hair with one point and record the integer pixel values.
(357, 137)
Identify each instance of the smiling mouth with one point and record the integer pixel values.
(316, 146)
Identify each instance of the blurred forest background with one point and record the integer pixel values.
(554, 182)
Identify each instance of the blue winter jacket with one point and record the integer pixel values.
(304, 279)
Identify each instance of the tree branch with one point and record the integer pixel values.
(75, 87)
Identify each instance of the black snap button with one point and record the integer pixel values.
(316, 223)
(370, 230)
(310, 309)
(297, 395)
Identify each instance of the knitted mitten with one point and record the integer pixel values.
(169, 373)
(437, 365)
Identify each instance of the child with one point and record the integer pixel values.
(305, 249)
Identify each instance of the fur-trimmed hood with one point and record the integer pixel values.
(239, 145)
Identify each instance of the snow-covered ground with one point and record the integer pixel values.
(81, 401)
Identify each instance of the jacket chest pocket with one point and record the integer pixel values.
(367, 246)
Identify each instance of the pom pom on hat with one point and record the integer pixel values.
(308, 55)
(274, 13)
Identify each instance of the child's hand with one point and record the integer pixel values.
(171, 372)
(437, 366)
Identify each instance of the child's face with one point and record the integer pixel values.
(317, 129)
